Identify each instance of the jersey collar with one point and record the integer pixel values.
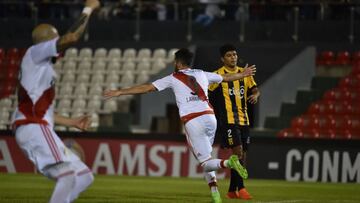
(231, 71)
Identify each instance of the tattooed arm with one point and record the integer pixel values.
(77, 29)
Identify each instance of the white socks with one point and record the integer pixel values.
(211, 180)
(214, 164)
(63, 189)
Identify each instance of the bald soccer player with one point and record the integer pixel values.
(34, 118)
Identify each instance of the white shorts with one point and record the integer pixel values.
(200, 134)
(42, 145)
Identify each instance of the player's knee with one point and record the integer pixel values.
(88, 178)
(61, 171)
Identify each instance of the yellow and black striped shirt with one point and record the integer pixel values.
(229, 98)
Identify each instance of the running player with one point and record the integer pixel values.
(230, 105)
(34, 118)
(190, 87)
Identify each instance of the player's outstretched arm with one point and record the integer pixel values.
(248, 71)
(77, 29)
(138, 89)
(82, 122)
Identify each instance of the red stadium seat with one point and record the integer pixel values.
(329, 109)
(331, 95)
(284, 133)
(298, 122)
(356, 67)
(326, 58)
(313, 133)
(12, 53)
(298, 133)
(314, 122)
(356, 57)
(22, 52)
(314, 109)
(342, 58)
(345, 134)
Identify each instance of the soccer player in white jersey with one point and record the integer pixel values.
(34, 118)
(190, 87)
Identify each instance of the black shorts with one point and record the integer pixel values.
(234, 135)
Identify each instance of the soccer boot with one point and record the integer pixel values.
(232, 195)
(234, 163)
(243, 194)
(216, 197)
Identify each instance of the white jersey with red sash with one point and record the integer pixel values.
(36, 90)
(190, 87)
(33, 119)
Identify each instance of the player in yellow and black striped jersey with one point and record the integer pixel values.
(229, 100)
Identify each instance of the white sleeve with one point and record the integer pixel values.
(43, 51)
(162, 83)
(213, 77)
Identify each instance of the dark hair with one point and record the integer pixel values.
(225, 48)
(184, 56)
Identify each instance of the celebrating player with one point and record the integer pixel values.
(190, 87)
(34, 118)
(230, 104)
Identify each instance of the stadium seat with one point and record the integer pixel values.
(114, 54)
(2, 53)
(84, 65)
(66, 89)
(157, 67)
(114, 65)
(298, 133)
(80, 90)
(64, 104)
(79, 104)
(97, 79)
(110, 106)
(95, 121)
(142, 78)
(112, 78)
(127, 79)
(129, 53)
(356, 57)
(128, 66)
(69, 65)
(327, 58)
(99, 65)
(6, 102)
(94, 105)
(314, 109)
(83, 77)
(68, 77)
(285, 133)
(95, 90)
(171, 55)
(100, 53)
(143, 67)
(313, 133)
(143, 53)
(12, 53)
(342, 58)
(85, 53)
(58, 65)
(71, 53)
(159, 53)
(298, 122)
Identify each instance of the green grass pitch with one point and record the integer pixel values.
(28, 188)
